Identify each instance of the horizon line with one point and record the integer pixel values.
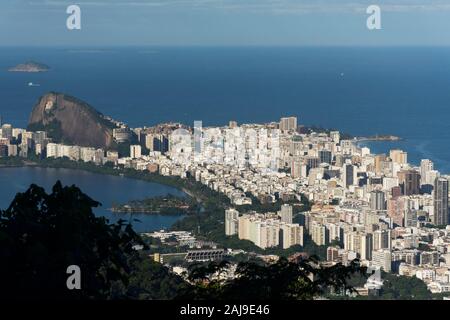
(85, 46)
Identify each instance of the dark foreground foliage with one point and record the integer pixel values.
(42, 234)
(283, 280)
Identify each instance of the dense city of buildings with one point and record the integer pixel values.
(390, 214)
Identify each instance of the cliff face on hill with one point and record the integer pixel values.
(72, 121)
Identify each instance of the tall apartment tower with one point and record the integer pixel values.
(296, 169)
(157, 142)
(311, 163)
(231, 222)
(382, 259)
(379, 162)
(325, 156)
(349, 173)
(382, 239)
(352, 241)
(286, 213)
(440, 199)
(291, 234)
(409, 181)
(319, 234)
(267, 235)
(398, 156)
(377, 200)
(425, 167)
(288, 124)
(366, 246)
(135, 151)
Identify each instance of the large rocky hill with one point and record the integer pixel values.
(72, 121)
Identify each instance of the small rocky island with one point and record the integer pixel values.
(30, 66)
(379, 138)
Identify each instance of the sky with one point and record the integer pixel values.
(224, 23)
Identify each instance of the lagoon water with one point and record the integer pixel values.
(102, 188)
(361, 91)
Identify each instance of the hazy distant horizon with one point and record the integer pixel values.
(224, 22)
(132, 46)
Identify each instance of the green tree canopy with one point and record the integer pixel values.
(42, 234)
(283, 280)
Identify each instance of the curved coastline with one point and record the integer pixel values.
(107, 190)
(92, 168)
(169, 181)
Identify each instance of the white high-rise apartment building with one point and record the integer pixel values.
(292, 235)
(319, 234)
(231, 222)
(426, 166)
(52, 150)
(269, 235)
(296, 167)
(266, 232)
(382, 259)
(336, 232)
(288, 124)
(398, 156)
(244, 227)
(430, 177)
(286, 213)
(135, 151)
(352, 241)
(381, 239)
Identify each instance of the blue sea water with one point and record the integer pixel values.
(362, 91)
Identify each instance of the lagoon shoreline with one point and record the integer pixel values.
(17, 178)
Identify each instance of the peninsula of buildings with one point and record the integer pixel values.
(389, 213)
(30, 66)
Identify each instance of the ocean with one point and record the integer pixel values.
(361, 91)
